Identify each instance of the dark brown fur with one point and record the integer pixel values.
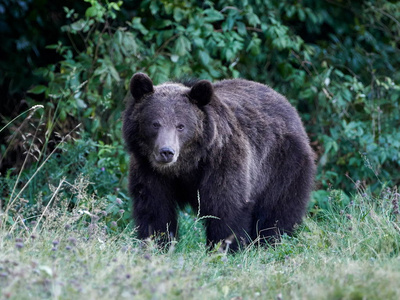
(238, 143)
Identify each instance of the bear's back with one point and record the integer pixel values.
(258, 107)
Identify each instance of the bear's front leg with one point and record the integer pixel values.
(231, 236)
(154, 208)
(227, 212)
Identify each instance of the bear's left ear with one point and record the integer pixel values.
(201, 93)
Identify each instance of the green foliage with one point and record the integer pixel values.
(89, 181)
(333, 64)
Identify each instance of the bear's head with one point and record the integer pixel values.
(169, 120)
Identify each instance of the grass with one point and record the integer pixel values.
(350, 252)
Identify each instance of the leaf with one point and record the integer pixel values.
(241, 27)
(137, 24)
(212, 15)
(78, 25)
(204, 57)
(154, 7)
(80, 103)
(174, 58)
(182, 46)
(178, 14)
(39, 89)
(114, 73)
(253, 19)
(91, 12)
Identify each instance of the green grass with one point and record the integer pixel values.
(349, 252)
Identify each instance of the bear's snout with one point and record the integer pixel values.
(167, 154)
(166, 147)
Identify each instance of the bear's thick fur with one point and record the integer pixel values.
(237, 143)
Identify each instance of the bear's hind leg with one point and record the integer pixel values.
(284, 201)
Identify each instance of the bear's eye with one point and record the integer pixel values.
(180, 127)
(156, 125)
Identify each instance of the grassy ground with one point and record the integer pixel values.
(348, 252)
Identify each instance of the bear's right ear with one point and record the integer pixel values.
(140, 85)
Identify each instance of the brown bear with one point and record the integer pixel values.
(238, 144)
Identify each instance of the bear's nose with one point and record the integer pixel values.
(167, 154)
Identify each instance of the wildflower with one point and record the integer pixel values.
(358, 184)
(121, 211)
(118, 201)
(103, 169)
(19, 245)
(72, 241)
(113, 224)
(55, 243)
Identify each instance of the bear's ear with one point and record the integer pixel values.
(140, 85)
(201, 92)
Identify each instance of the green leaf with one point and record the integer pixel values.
(91, 12)
(114, 73)
(137, 24)
(182, 46)
(39, 89)
(241, 27)
(81, 104)
(178, 14)
(204, 57)
(212, 15)
(78, 25)
(253, 19)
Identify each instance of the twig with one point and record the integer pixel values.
(248, 28)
